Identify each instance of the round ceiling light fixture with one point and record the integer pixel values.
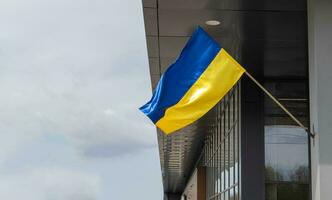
(212, 22)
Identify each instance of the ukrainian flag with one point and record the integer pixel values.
(199, 78)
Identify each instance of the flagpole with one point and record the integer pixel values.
(279, 104)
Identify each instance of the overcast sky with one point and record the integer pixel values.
(72, 75)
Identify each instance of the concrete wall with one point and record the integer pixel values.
(320, 78)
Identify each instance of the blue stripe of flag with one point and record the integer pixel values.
(196, 56)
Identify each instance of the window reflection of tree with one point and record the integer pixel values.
(291, 181)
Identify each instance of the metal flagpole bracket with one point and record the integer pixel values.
(312, 135)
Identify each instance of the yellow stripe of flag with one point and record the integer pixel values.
(213, 84)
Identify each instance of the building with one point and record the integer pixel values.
(246, 148)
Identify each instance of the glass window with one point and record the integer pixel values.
(221, 152)
(286, 144)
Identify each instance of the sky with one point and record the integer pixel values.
(72, 76)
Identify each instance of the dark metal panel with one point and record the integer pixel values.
(285, 58)
(252, 142)
(170, 47)
(280, 58)
(154, 81)
(165, 62)
(242, 25)
(153, 46)
(275, 5)
(149, 3)
(183, 22)
(154, 66)
(150, 21)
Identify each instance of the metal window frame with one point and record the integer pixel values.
(222, 179)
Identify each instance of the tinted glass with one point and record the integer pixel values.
(286, 144)
(221, 152)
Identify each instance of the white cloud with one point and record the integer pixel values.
(72, 76)
(63, 63)
(50, 184)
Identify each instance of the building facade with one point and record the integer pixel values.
(246, 147)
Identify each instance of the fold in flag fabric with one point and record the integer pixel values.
(199, 78)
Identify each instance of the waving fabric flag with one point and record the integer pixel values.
(199, 78)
